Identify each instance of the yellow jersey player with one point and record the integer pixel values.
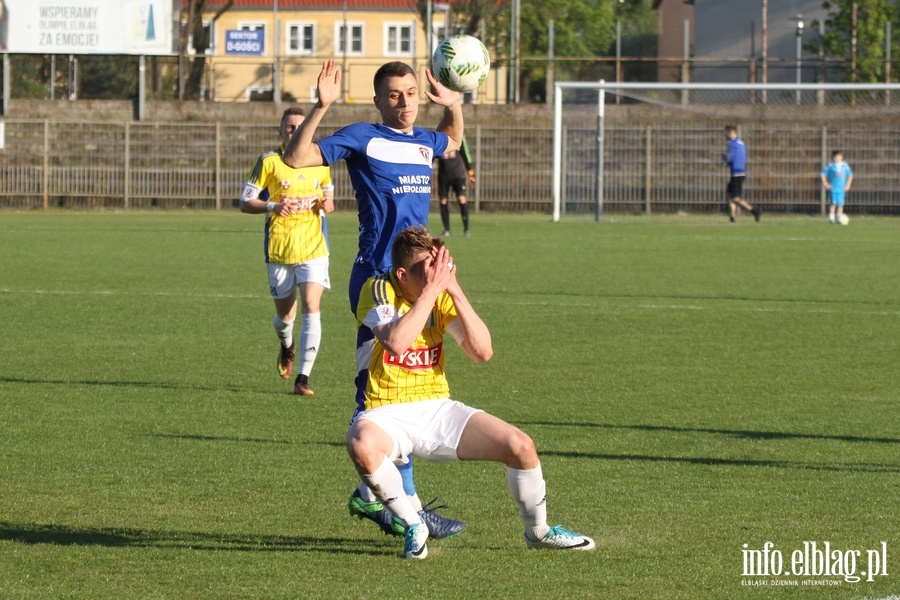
(403, 317)
(296, 247)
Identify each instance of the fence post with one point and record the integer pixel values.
(648, 179)
(46, 181)
(218, 165)
(477, 158)
(563, 172)
(127, 183)
(823, 160)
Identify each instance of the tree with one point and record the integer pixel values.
(103, 77)
(192, 68)
(583, 30)
(854, 38)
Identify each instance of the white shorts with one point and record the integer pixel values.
(429, 429)
(284, 279)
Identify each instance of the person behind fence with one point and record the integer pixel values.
(390, 166)
(296, 249)
(455, 172)
(735, 158)
(405, 316)
(836, 178)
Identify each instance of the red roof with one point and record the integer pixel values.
(212, 5)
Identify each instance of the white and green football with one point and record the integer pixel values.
(461, 62)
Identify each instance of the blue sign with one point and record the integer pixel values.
(243, 41)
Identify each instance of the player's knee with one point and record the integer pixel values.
(362, 449)
(523, 450)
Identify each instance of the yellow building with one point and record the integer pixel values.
(360, 35)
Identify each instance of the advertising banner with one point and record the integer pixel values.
(88, 26)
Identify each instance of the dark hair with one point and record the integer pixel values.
(730, 128)
(411, 242)
(290, 111)
(835, 153)
(391, 69)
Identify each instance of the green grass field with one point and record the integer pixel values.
(692, 386)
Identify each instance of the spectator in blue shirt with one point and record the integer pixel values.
(736, 160)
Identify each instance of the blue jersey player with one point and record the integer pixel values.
(735, 158)
(390, 167)
(836, 178)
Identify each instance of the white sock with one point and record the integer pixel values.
(415, 502)
(530, 493)
(366, 493)
(285, 331)
(310, 338)
(388, 487)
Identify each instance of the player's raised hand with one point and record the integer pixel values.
(442, 95)
(440, 271)
(328, 85)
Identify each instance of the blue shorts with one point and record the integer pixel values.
(837, 198)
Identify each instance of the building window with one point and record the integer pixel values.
(301, 39)
(398, 39)
(208, 33)
(355, 47)
(251, 26)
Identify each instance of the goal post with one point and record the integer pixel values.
(645, 146)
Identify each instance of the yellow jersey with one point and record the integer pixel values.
(418, 373)
(296, 238)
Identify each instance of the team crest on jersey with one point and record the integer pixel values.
(286, 184)
(426, 153)
(415, 359)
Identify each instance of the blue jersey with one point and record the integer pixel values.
(391, 176)
(837, 174)
(736, 158)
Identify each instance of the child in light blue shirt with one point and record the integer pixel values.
(836, 178)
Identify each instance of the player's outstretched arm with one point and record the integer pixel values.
(452, 121)
(301, 151)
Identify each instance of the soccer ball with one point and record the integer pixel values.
(843, 219)
(461, 62)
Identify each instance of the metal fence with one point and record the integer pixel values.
(649, 168)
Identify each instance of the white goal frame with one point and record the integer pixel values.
(602, 87)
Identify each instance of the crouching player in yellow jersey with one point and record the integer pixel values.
(295, 247)
(405, 315)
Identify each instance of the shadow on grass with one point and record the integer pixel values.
(216, 438)
(159, 385)
(736, 462)
(753, 435)
(730, 462)
(62, 535)
(225, 438)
